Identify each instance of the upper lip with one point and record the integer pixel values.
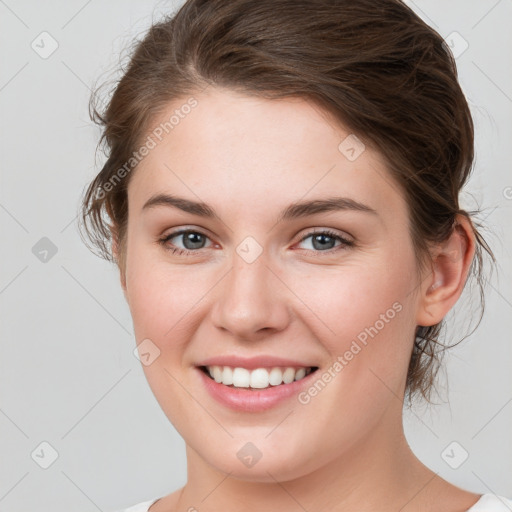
(251, 363)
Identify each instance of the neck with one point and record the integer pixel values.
(380, 472)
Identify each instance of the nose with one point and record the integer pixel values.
(251, 302)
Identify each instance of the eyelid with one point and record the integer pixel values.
(182, 231)
(328, 231)
(164, 239)
(178, 230)
(344, 240)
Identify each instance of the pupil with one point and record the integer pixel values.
(193, 240)
(321, 239)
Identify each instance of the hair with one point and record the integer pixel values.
(375, 66)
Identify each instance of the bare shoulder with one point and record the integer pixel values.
(167, 503)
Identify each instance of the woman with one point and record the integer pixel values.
(282, 199)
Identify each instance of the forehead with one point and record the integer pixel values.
(259, 152)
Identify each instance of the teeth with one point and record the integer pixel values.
(260, 378)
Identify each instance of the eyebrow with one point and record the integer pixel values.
(293, 211)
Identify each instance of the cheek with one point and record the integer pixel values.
(163, 299)
(364, 318)
(161, 296)
(370, 309)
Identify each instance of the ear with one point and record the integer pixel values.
(443, 284)
(116, 252)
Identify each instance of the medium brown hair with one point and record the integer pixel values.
(376, 66)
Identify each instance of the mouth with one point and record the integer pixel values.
(258, 378)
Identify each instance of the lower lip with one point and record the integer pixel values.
(250, 400)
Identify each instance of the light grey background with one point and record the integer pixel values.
(68, 374)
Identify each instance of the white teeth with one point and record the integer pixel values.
(260, 378)
(227, 375)
(241, 378)
(288, 375)
(217, 373)
(300, 373)
(275, 377)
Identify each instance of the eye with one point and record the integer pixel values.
(192, 241)
(325, 240)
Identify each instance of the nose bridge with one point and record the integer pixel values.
(249, 298)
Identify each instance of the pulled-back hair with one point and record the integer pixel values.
(375, 66)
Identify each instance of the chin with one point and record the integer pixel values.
(273, 464)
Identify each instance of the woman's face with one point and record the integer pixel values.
(260, 280)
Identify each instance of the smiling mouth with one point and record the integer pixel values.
(259, 378)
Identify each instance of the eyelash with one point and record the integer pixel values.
(185, 252)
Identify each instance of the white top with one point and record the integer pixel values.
(487, 503)
(142, 507)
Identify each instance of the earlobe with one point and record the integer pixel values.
(443, 285)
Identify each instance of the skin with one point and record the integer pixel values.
(249, 158)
